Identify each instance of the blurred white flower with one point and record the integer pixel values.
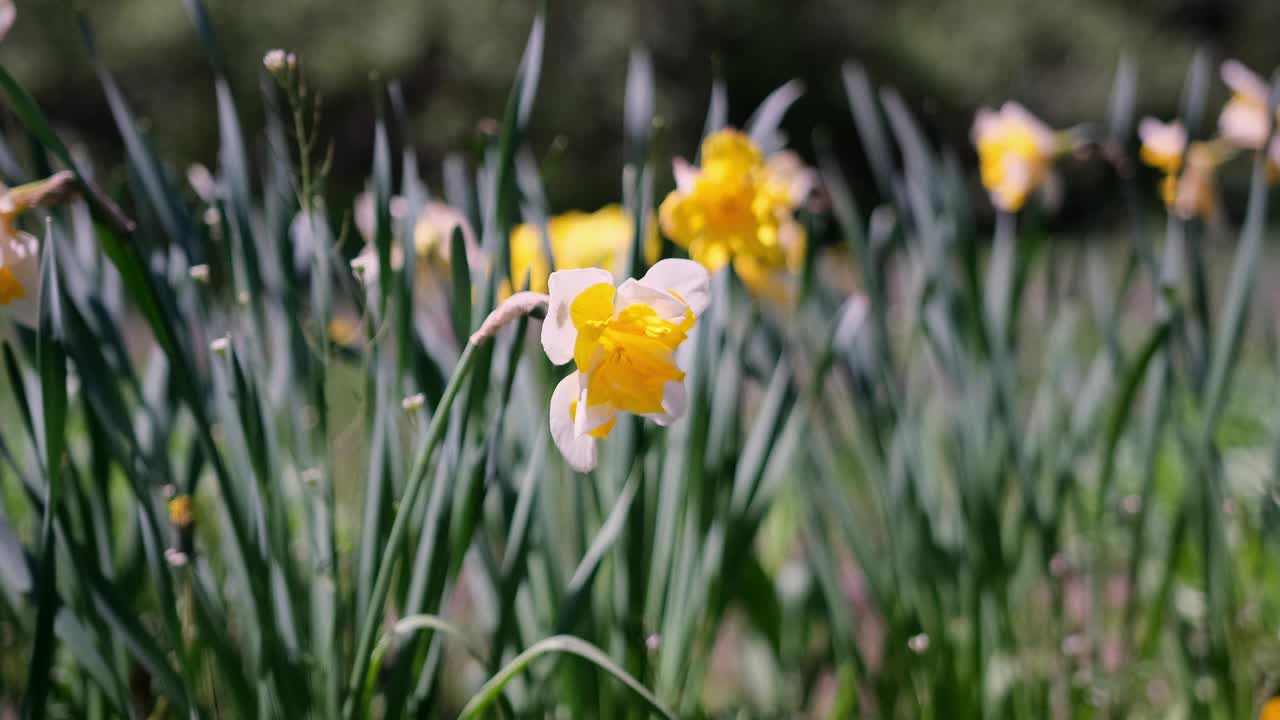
(1244, 120)
(8, 14)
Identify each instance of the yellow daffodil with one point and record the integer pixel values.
(1163, 145)
(20, 251)
(578, 240)
(1015, 153)
(623, 341)
(740, 206)
(1244, 120)
(1270, 710)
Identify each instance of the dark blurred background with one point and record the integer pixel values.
(456, 61)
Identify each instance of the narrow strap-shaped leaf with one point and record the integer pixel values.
(399, 526)
(38, 125)
(580, 584)
(558, 644)
(52, 361)
(763, 126)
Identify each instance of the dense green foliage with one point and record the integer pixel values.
(941, 482)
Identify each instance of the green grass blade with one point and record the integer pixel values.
(764, 124)
(52, 361)
(584, 575)
(364, 640)
(556, 645)
(461, 273)
(38, 125)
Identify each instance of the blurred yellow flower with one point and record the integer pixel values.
(1270, 710)
(1163, 145)
(740, 206)
(1015, 153)
(1243, 121)
(623, 341)
(578, 240)
(344, 329)
(180, 511)
(1194, 192)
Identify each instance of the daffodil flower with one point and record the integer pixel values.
(20, 251)
(623, 341)
(578, 240)
(740, 206)
(1243, 121)
(1015, 153)
(432, 233)
(1163, 145)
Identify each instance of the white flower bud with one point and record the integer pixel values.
(918, 644)
(276, 61)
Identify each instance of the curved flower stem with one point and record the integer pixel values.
(394, 543)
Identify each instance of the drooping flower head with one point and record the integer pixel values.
(579, 240)
(1244, 120)
(623, 342)
(740, 206)
(1015, 153)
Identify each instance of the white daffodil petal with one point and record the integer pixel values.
(589, 417)
(675, 402)
(578, 450)
(558, 332)
(686, 278)
(632, 292)
(1244, 81)
(20, 255)
(1243, 125)
(686, 175)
